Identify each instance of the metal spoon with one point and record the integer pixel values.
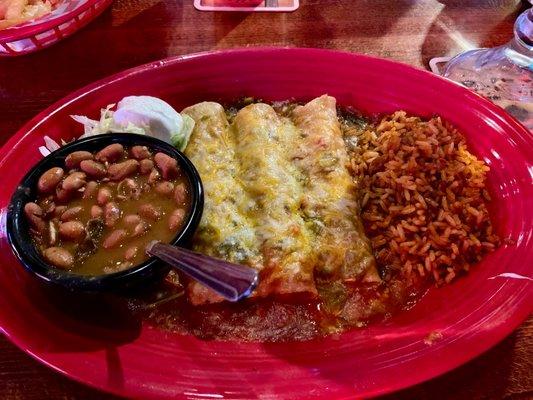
(232, 281)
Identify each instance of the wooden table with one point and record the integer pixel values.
(133, 32)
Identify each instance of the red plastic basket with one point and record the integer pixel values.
(63, 21)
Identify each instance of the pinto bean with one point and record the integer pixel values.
(114, 239)
(140, 152)
(96, 211)
(58, 257)
(149, 212)
(90, 190)
(154, 176)
(167, 165)
(140, 229)
(74, 181)
(74, 159)
(93, 168)
(35, 215)
(111, 153)
(131, 220)
(111, 214)
(176, 219)
(122, 170)
(145, 166)
(50, 179)
(164, 188)
(104, 196)
(71, 213)
(33, 209)
(72, 230)
(180, 194)
(130, 253)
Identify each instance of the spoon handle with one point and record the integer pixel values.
(232, 281)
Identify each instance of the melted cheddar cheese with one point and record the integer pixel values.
(278, 197)
(330, 196)
(271, 180)
(224, 231)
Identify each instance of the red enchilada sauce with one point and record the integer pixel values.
(290, 318)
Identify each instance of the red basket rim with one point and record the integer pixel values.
(14, 33)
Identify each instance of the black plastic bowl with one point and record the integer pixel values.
(25, 250)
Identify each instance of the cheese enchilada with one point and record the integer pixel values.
(330, 198)
(224, 231)
(279, 197)
(272, 181)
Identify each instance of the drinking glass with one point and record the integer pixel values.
(503, 74)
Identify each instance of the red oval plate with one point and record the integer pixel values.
(466, 318)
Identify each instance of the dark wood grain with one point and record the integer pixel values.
(133, 32)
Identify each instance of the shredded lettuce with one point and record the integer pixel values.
(144, 115)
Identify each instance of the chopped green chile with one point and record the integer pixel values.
(102, 225)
